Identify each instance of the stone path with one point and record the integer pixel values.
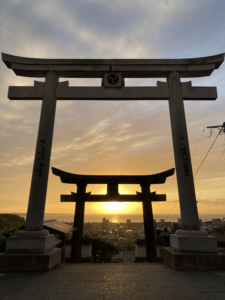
(113, 281)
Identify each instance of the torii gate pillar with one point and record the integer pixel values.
(149, 225)
(76, 247)
(185, 181)
(40, 241)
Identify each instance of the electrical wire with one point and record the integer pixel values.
(197, 170)
(217, 188)
(175, 193)
(197, 143)
(168, 205)
(207, 153)
(211, 175)
(169, 212)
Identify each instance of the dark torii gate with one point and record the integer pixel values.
(113, 181)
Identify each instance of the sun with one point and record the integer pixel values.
(114, 206)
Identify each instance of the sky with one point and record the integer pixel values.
(111, 137)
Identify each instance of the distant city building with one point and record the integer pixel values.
(105, 224)
(128, 221)
(88, 226)
(113, 238)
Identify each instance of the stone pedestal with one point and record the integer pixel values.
(30, 242)
(86, 251)
(193, 250)
(140, 252)
(30, 262)
(193, 242)
(30, 251)
(193, 261)
(86, 256)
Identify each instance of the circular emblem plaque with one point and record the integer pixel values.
(112, 79)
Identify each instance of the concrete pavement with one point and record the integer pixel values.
(113, 281)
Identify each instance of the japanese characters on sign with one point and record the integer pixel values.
(40, 158)
(185, 159)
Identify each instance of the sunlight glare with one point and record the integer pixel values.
(114, 206)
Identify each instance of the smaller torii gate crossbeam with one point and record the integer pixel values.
(146, 197)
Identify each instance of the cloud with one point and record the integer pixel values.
(111, 137)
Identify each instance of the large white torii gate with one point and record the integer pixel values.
(113, 72)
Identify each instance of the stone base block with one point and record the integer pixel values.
(194, 244)
(82, 260)
(140, 259)
(140, 251)
(30, 262)
(30, 244)
(193, 261)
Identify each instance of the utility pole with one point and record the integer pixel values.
(220, 127)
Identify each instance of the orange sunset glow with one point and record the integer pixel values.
(111, 137)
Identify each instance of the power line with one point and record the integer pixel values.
(211, 174)
(217, 188)
(168, 205)
(175, 193)
(168, 213)
(207, 153)
(197, 143)
(222, 128)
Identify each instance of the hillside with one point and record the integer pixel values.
(10, 220)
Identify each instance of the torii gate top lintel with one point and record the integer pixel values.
(71, 178)
(130, 68)
(112, 182)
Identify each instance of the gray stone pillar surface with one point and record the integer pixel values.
(76, 247)
(149, 225)
(39, 182)
(185, 181)
(191, 239)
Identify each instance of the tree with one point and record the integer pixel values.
(175, 227)
(9, 220)
(129, 248)
(220, 229)
(102, 252)
(5, 233)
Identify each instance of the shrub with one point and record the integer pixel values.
(5, 233)
(102, 252)
(9, 220)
